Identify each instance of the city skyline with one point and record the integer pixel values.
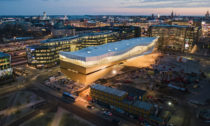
(104, 62)
(100, 7)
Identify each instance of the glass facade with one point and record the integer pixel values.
(112, 52)
(174, 37)
(42, 56)
(6, 71)
(47, 54)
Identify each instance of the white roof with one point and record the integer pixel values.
(110, 49)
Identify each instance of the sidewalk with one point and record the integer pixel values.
(13, 109)
(58, 116)
(82, 103)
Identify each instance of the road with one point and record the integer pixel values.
(3, 121)
(95, 119)
(21, 120)
(38, 76)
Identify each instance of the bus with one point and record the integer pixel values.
(67, 97)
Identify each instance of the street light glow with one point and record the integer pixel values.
(169, 103)
(114, 72)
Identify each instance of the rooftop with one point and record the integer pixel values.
(4, 54)
(73, 37)
(59, 39)
(139, 104)
(39, 47)
(109, 90)
(132, 91)
(155, 118)
(178, 26)
(109, 49)
(143, 105)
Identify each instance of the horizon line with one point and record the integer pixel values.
(96, 15)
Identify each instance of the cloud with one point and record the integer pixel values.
(30, 7)
(165, 3)
(10, 0)
(20, 0)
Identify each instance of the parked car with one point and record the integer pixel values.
(107, 113)
(90, 107)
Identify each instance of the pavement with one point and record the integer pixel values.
(81, 103)
(58, 116)
(44, 109)
(93, 118)
(185, 115)
(13, 109)
(6, 113)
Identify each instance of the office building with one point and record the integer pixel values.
(47, 54)
(175, 37)
(6, 72)
(63, 32)
(205, 29)
(181, 22)
(207, 16)
(118, 100)
(74, 43)
(42, 56)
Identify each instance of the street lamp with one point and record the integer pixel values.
(114, 72)
(169, 103)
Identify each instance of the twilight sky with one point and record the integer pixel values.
(122, 7)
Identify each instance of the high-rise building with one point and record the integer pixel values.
(207, 16)
(175, 37)
(172, 14)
